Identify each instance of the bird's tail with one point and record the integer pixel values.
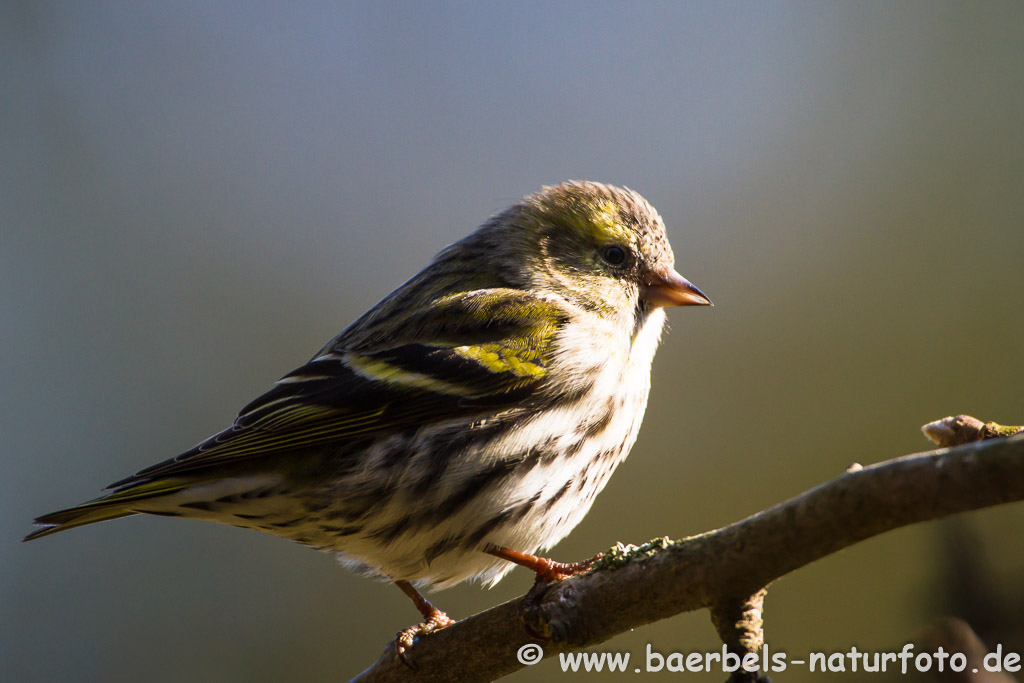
(120, 503)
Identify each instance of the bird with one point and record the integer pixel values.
(461, 425)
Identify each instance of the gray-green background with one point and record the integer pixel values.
(195, 196)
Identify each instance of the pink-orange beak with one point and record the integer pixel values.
(669, 288)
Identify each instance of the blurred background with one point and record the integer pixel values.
(195, 196)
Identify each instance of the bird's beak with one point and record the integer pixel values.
(669, 288)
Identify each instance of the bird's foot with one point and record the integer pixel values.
(558, 571)
(435, 620)
(547, 570)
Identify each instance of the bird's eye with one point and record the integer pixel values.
(614, 255)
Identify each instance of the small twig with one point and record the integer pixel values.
(961, 429)
(741, 627)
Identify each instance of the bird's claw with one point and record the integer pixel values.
(560, 571)
(435, 621)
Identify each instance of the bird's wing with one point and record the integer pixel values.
(488, 350)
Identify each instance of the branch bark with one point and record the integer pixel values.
(724, 570)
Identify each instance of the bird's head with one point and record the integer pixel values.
(600, 246)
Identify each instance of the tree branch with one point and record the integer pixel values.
(725, 570)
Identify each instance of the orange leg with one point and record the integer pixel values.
(433, 620)
(547, 570)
